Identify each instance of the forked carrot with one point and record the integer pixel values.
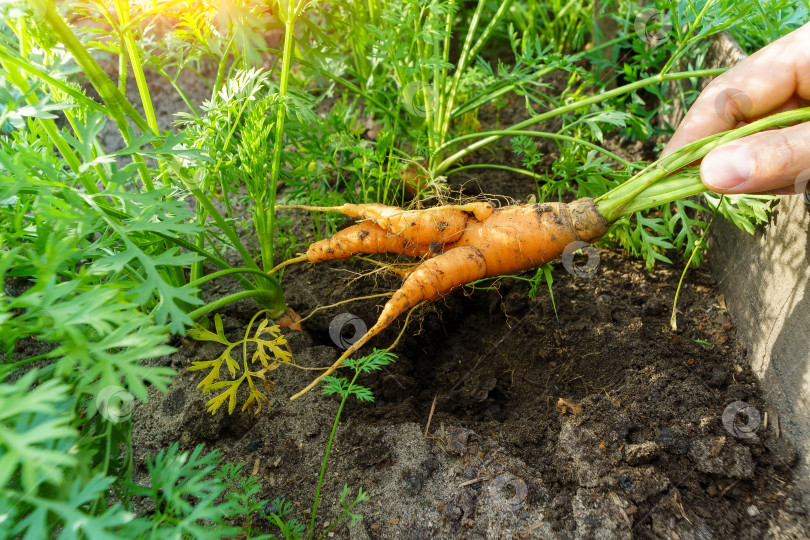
(501, 241)
(362, 238)
(443, 224)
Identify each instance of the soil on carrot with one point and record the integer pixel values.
(595, 420)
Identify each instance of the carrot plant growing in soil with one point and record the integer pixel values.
(231, 141)
(105, 249)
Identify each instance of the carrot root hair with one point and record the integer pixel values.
(288, 262)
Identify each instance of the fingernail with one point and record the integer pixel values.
(727, 167)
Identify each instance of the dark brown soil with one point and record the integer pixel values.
(646, 456)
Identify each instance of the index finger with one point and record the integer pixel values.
(762, 83)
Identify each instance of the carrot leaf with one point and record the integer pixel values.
(266, 339)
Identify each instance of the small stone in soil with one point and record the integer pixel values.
(718, 378)
(458, 440)
(254, 444)
(469, 472)
(727, 459)
(672, 441)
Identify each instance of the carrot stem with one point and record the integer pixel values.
(673, 320)
(559, 111)
(471, 207)
(543, 134)
(669, 178)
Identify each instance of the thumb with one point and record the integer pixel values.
(777, 161)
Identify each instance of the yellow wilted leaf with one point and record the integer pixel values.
(229, 394)
(267, 340)
(201, 334)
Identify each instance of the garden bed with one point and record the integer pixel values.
(641, 450)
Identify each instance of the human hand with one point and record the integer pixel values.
(775, 79)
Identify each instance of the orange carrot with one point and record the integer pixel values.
(443, 224)
(362, 238)
(509, 240)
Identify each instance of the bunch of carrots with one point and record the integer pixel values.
(460, 244)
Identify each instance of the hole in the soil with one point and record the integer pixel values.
(509, 491)
(498, 394)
